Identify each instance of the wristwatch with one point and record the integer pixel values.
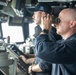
(45, 31)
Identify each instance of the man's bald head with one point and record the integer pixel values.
(69, 13)
(67, 25)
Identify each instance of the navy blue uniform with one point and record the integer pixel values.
(37, 30)
(62, 53)
(45, 65)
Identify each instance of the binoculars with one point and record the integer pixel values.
(55, 20)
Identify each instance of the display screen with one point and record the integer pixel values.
(14, 32)
(15, 21)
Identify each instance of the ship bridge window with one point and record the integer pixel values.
(31, 29)
(14, 32)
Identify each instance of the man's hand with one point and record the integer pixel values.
(27, 61)
(34, 68)
(46, 22)
(30, 69)
(23, 58)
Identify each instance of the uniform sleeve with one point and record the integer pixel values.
(45, 66)
(37, 30)
(53, 35)
(56, 52)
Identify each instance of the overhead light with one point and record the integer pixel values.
(18, 12)
(17, 8)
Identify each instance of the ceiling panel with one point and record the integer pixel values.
(55, 0)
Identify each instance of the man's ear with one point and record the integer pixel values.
(72, 24)
(43, 14)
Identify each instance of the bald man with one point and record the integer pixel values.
(62, 53)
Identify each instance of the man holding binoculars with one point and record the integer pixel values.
(61, 54)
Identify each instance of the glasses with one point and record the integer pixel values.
(56, 20)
